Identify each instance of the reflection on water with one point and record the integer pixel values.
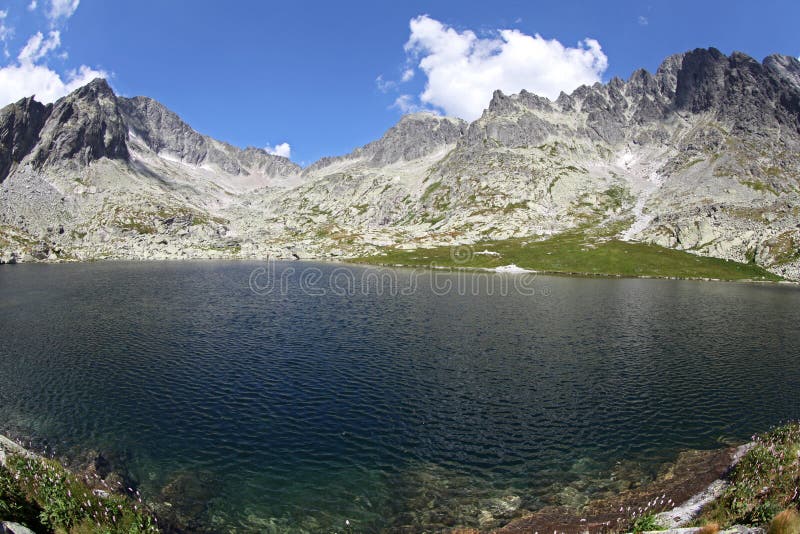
(397, 408)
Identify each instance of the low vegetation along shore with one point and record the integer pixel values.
(584, 251)
(42, 495)
(761, 491)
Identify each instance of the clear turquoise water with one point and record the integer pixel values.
(414, 410)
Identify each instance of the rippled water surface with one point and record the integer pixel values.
(306, 407)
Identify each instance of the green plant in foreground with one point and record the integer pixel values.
(65, 504)
(764, 482)
(646, 523)
(14, 506)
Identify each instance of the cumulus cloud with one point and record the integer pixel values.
(282, 149)
(464, 70)
(408, 74)
(643, 20)
(20, 81)
(33, 5)
(61, 9)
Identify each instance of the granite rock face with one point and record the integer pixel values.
(703, 155)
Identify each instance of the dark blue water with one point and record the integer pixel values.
(383, 405)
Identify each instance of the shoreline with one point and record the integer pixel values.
(475, 270)
(692, 481)
(563, 274)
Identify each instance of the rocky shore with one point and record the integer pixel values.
(674, 499)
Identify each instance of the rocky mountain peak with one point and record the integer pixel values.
(164, 132)
(84, 126)
(414, 136)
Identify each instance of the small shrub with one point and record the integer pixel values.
(786, 522)
(646, 523)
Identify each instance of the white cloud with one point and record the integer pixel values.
(384, 86)
(6, 32)
(282, 149)
(643, 20)
(408, 74)
(29, 75)
(62, 9)
(33, 5)
(464, 70)
(20, 81)
(406, 104)
(38, 46)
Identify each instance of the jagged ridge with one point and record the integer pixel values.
(701, 156)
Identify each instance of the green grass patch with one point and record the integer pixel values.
(582, 251)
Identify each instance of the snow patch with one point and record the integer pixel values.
(642, 220)
(511, 269)
(626, 160)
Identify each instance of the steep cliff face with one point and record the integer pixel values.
(20, 125)
(702, 155)
(83, 126)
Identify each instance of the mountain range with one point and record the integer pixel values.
(701, 156)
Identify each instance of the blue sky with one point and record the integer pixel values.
(306, 73)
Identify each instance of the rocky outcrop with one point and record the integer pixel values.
(20, 125)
